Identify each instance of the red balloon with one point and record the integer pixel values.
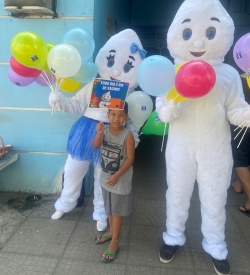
(195, 79)
(22, 70)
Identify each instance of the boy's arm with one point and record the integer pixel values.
(98, 140)
(130, 153)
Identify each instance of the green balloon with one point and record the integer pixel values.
(154, 126)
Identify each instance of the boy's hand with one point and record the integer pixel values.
(100, 127)
(112, 180)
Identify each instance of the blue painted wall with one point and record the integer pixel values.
(26, 119)
(119, 12)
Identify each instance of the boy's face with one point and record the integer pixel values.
(117, 117)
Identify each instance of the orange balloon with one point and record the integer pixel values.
(68, 85)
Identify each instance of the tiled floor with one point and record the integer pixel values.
(33, 244)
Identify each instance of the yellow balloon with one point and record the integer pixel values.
(179, 66)
(29, 49)
(173, 94)
(248, 82)
(49, 47)
(68, 85)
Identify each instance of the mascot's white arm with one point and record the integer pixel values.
(75, 105)
(167, 110)
(79, 103)
(237, 109)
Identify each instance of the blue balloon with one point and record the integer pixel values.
(156, 75)
(82, 40)
(87, 72)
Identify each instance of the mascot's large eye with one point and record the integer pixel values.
(210, 33)
(128, 66)
(187, 33)
(111, 60)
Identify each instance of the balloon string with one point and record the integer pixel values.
(240, 130)
(43, 78)
(163, 136)
(175, 98)
(164, 129)
(58, 86)
(239, 126)
(50, 83)
(47, 81)
(242, 137)
(55, 90)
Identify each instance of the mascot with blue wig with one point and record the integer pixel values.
(198, 147)
(117, 60)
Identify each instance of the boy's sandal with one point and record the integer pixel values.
(108, 260)
(4, 149)
(101, 236)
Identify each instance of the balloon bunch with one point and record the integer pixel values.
(65, 64)
(157, 76)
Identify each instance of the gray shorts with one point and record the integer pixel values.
(117, 205)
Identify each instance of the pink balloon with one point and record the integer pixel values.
(195, 79)
(22, 70)
(241, 52)
(19, 80)
(45, 79)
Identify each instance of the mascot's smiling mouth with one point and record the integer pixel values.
(197, 54)
(114, 79)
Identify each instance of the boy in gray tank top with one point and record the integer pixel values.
(117, 156)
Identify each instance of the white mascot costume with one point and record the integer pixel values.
(198, 147)
(117, 60)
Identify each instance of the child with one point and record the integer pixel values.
(117, 150)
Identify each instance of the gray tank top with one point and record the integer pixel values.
(113, 155)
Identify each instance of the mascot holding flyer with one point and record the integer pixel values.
(118, 60)
(199, 147)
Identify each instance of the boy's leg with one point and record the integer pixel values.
(115, 223)
(107, 233)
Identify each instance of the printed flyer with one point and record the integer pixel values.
(110, 94)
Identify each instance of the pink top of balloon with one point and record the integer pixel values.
(22, 70)
(241, 52)
(195, 79)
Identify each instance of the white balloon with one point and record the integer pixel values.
(140, 106)
(64, 60)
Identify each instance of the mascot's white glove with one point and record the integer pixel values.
(54, 98)
(168, 111)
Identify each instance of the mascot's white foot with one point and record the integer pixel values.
(57, 215)
(101, 225)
